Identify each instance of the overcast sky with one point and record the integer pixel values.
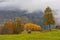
(32, 5)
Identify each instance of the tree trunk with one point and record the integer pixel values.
(49, 27)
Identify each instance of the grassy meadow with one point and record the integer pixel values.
(36, 35)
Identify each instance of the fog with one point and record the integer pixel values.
(33, 5)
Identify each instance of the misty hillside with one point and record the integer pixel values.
(9, 14)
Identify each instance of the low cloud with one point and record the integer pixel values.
(32, 5)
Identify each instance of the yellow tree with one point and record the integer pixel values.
(32, 26)
(8, 27)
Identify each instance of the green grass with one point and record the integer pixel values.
(53, 35)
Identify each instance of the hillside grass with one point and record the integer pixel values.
(35, 35)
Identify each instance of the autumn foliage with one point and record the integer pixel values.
(15, 26)
(9, 25)
(32, 26)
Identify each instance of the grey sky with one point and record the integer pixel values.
(32, 4)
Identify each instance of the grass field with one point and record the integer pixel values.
(53, 35)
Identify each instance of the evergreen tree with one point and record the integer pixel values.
(48, 18)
